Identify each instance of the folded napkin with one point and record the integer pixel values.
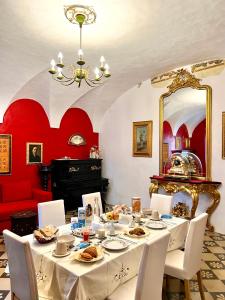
(166, 216)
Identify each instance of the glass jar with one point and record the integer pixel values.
(136, 204)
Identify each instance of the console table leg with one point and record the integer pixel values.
(215, 195)
(153, 189)
(195, 200)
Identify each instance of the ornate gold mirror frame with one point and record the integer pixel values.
(184, 79)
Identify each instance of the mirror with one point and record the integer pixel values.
(185, 121)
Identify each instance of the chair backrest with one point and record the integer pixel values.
(151, 270)
(21, 267)
(90, 199)
(193, 245)
(162, 203)
(51, 212)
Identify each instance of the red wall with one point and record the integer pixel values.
(168, 136)
(198, 142)
(27, 121)
(182, 133)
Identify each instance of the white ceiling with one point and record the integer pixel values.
(139, 39)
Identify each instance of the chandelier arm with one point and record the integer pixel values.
(88, 83)
(65, 81)
(67, 84)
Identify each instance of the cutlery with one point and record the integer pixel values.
(127, 240)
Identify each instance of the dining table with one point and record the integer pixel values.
(67, 278)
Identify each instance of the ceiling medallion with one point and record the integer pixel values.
(76, 73)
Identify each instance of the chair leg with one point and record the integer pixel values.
(200, 285)
(187, 290)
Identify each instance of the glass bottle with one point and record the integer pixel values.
(88, 215)
(96, 208)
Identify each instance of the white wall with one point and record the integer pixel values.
(129, 176)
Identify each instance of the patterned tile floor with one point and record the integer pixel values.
(213, 272)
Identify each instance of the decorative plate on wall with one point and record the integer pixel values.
(77, 140)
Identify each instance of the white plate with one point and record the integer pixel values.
(114, 244)
(60, 255)
(99, 257)
(156, 225)
(138, 236)
(78, 232)
(108, 220)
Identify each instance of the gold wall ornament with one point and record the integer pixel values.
(163, 77)
(183, 80)
(207, 65)
(193, 188)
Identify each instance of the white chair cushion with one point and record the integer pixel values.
(174, 263)
(125, 291)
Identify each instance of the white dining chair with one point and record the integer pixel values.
(90, 199)
(161, 203)
(51, 213)
(147, 285)
(21, 267)
(185, 264)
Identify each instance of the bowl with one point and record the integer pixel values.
(66, 238)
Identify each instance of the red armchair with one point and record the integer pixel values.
(18, 196)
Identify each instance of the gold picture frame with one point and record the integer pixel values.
(223, 135)
(34, 153)
(142, 139)
(5, 154)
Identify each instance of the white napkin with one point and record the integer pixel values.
(125, 219)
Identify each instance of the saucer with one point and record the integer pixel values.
(159, 219)
(60, 255)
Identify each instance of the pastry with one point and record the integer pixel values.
(92, 251)
(137, 231)
(86, 256)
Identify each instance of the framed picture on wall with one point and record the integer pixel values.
(178, 142)
(5, 154)
(223, 135)
(34, 153)
(142, 138)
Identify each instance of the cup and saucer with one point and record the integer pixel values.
(155, 216)
(61, 249)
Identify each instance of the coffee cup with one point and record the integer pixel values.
(61, 248)
(155, 215)
(101, 233)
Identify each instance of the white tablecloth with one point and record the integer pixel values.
(66, 278)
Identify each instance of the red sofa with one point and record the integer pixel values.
(18, 196)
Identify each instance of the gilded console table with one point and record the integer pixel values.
(193, 188)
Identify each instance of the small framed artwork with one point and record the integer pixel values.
(187, 143)
(34, 153)
(142, 138)
(5, 154)
(223, 135)
(178, 142)
(165, 152)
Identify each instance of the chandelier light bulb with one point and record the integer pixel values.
(80, 54)
(97, 73)
(60, 57)
(102, 61)
(52, 64)
(59, 73)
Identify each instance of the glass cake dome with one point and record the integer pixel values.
(185, 164)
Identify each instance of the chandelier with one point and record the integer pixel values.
(76, 73)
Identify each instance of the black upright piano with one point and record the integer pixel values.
(71, 178)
